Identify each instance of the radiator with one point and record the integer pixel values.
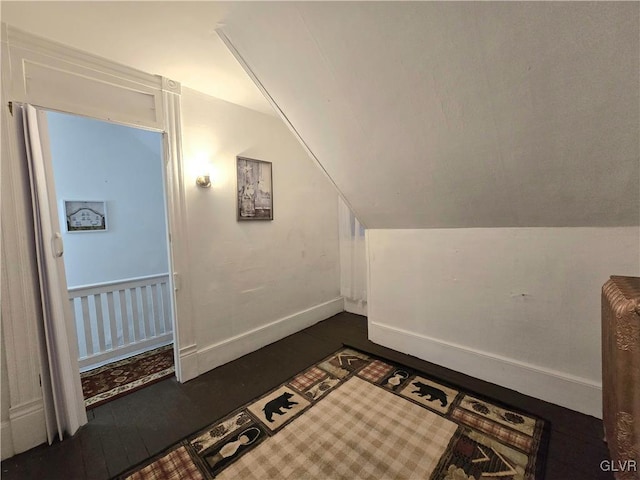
(621, 374)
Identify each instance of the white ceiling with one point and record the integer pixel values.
(173, 39)
(425, 114)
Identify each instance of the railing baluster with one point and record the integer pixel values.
(125, 317)
(144, 307)
(82, 348)
(168, 326)
(157, 309)
(136, 314)
(86, 320)
(115, 343)
(147, 308)
(100, 321)
(153, 311)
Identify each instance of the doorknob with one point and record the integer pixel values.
(56, 245)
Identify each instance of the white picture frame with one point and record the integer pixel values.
(85, 215)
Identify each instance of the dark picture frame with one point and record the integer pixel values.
(254, 190)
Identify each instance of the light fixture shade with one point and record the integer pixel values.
(203, 181)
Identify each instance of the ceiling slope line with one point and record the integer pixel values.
(243, 63)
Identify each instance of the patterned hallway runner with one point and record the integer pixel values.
(125, 376)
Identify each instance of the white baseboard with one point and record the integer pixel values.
(188, 363)
(563, 389)
(357, 307)
(27, 426)
(6, 441)
(220, 353)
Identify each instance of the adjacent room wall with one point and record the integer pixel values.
(519, 307)
(100, 161)
(254, 282)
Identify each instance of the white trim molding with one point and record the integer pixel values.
(6, 441)
(21, 310)
(189, 362)
(179, 246)
(229, 349)
(53, 76)
(27, 425)
(553, 386)
(99, 65)
(48, 74)
(359, 307)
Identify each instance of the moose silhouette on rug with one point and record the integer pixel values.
(433, 393)
(275, 405)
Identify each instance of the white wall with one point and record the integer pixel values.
(96, 160)
(519, 307)
(240, 286)
(254, 282)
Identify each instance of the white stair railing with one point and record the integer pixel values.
(118, 319)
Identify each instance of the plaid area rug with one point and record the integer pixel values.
(125, 376)
(353, 416)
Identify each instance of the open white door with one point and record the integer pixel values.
(62, 390)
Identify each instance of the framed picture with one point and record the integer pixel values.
(255, 189)
(85, 216)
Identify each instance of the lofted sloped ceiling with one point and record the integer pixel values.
(481, 114)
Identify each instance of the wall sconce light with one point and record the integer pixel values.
(203, 181)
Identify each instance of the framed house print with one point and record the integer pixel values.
(85, 216)
(255, 189)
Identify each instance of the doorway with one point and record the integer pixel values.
(111, 202)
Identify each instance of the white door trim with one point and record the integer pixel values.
(90, 86)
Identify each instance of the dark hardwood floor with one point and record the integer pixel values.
(129, 429)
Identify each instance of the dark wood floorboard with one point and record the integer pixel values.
(124, 432)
